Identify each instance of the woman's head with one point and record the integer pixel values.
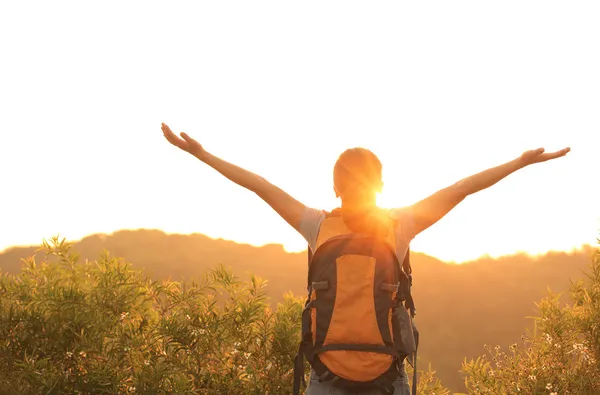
(357, 176)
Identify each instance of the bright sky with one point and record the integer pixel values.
(438, 90)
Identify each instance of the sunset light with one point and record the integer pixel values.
(82, 107)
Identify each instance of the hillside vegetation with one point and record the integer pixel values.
(459, 307)
(101, 327)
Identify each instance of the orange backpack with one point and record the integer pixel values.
(357, 323)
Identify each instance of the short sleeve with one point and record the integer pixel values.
(310, 223)
(405, 225)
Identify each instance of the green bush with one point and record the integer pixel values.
(103, 328)
(561, 356)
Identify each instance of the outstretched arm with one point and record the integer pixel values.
(286, 206)
(431, 209)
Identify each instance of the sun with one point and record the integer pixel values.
(393, 196)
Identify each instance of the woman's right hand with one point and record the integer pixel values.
(539, 155)
(185, 143)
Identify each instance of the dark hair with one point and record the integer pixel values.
(356, 171)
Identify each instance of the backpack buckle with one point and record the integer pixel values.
(320, 285)
(390, 287)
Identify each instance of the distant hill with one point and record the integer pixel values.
(459, 307)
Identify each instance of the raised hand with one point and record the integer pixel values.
(185, 143)
(539, 155)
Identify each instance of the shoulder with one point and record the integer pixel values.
(400, 213)
(310, 223)
(404, 223)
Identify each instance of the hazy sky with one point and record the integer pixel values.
(437, 89)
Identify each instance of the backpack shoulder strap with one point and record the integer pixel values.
(407, 269)
(406, 263)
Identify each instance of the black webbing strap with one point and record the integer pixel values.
(358, 347)
(299, 370)
(407, 268)
(414, 383)
(410, 305)
(299, 378)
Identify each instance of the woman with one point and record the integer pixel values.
(357, 178)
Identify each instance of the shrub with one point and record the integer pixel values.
(562, 354)
(102, 328)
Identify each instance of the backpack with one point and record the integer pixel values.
(357, 326)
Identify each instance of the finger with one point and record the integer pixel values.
(169, 133)
(172, 138)
(557, 154)
(562, 152)
(166, 129)
(176, 142)
(187, 138)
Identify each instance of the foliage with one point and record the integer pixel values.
(427, 382)
(497, 295)
(562, 354)
(102, 328)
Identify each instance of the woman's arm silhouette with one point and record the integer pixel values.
(286, 206)
(425, 212)
(431, 209)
